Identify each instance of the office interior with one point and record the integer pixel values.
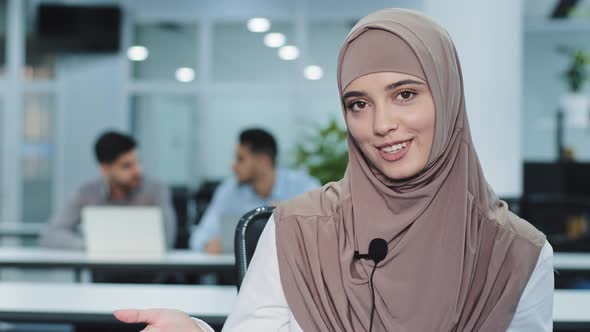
(183, 78)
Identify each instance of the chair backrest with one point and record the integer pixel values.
(248, 232)
(180, 196)
(202, 198)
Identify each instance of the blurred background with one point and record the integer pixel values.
(184, 77)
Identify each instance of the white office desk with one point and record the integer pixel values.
(179, 260)
(571, 261)
(20, 230)
(571, 309)
(174, 261)
(95, 303)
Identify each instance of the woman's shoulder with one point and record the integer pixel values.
(519, 226)
(322, 201)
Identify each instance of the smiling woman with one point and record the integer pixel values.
(393, 123)
(390, 114)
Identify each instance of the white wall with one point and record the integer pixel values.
(543, 67)
(488, 37)
(165, 127)
(91, 99)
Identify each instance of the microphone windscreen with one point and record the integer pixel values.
(377, 249)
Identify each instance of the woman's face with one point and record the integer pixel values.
(392, 118)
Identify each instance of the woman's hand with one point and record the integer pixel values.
(159, 320)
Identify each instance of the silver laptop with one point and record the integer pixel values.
(124, 233)
(227, 226)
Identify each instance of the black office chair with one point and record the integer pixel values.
(248, 232)
(180, 197)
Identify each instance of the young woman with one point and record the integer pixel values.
(455, 258)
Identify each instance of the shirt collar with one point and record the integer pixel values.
(105, 191)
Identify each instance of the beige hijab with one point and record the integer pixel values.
(457, 259)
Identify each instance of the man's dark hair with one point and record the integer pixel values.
(260, 141)
(111, 145)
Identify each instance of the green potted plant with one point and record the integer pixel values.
(576, 104)
(324, 153)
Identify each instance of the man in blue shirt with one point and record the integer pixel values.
(256, 182)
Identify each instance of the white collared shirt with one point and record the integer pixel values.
(262, 305)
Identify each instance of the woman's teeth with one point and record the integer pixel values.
(394, 148)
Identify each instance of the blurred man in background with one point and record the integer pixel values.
(121, 184)
(256, 182)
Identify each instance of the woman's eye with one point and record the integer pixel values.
(357, 106)
(406, 95)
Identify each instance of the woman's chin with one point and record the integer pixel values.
(400, 173)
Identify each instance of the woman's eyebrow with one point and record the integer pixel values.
(400, 83)
(354, 94)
